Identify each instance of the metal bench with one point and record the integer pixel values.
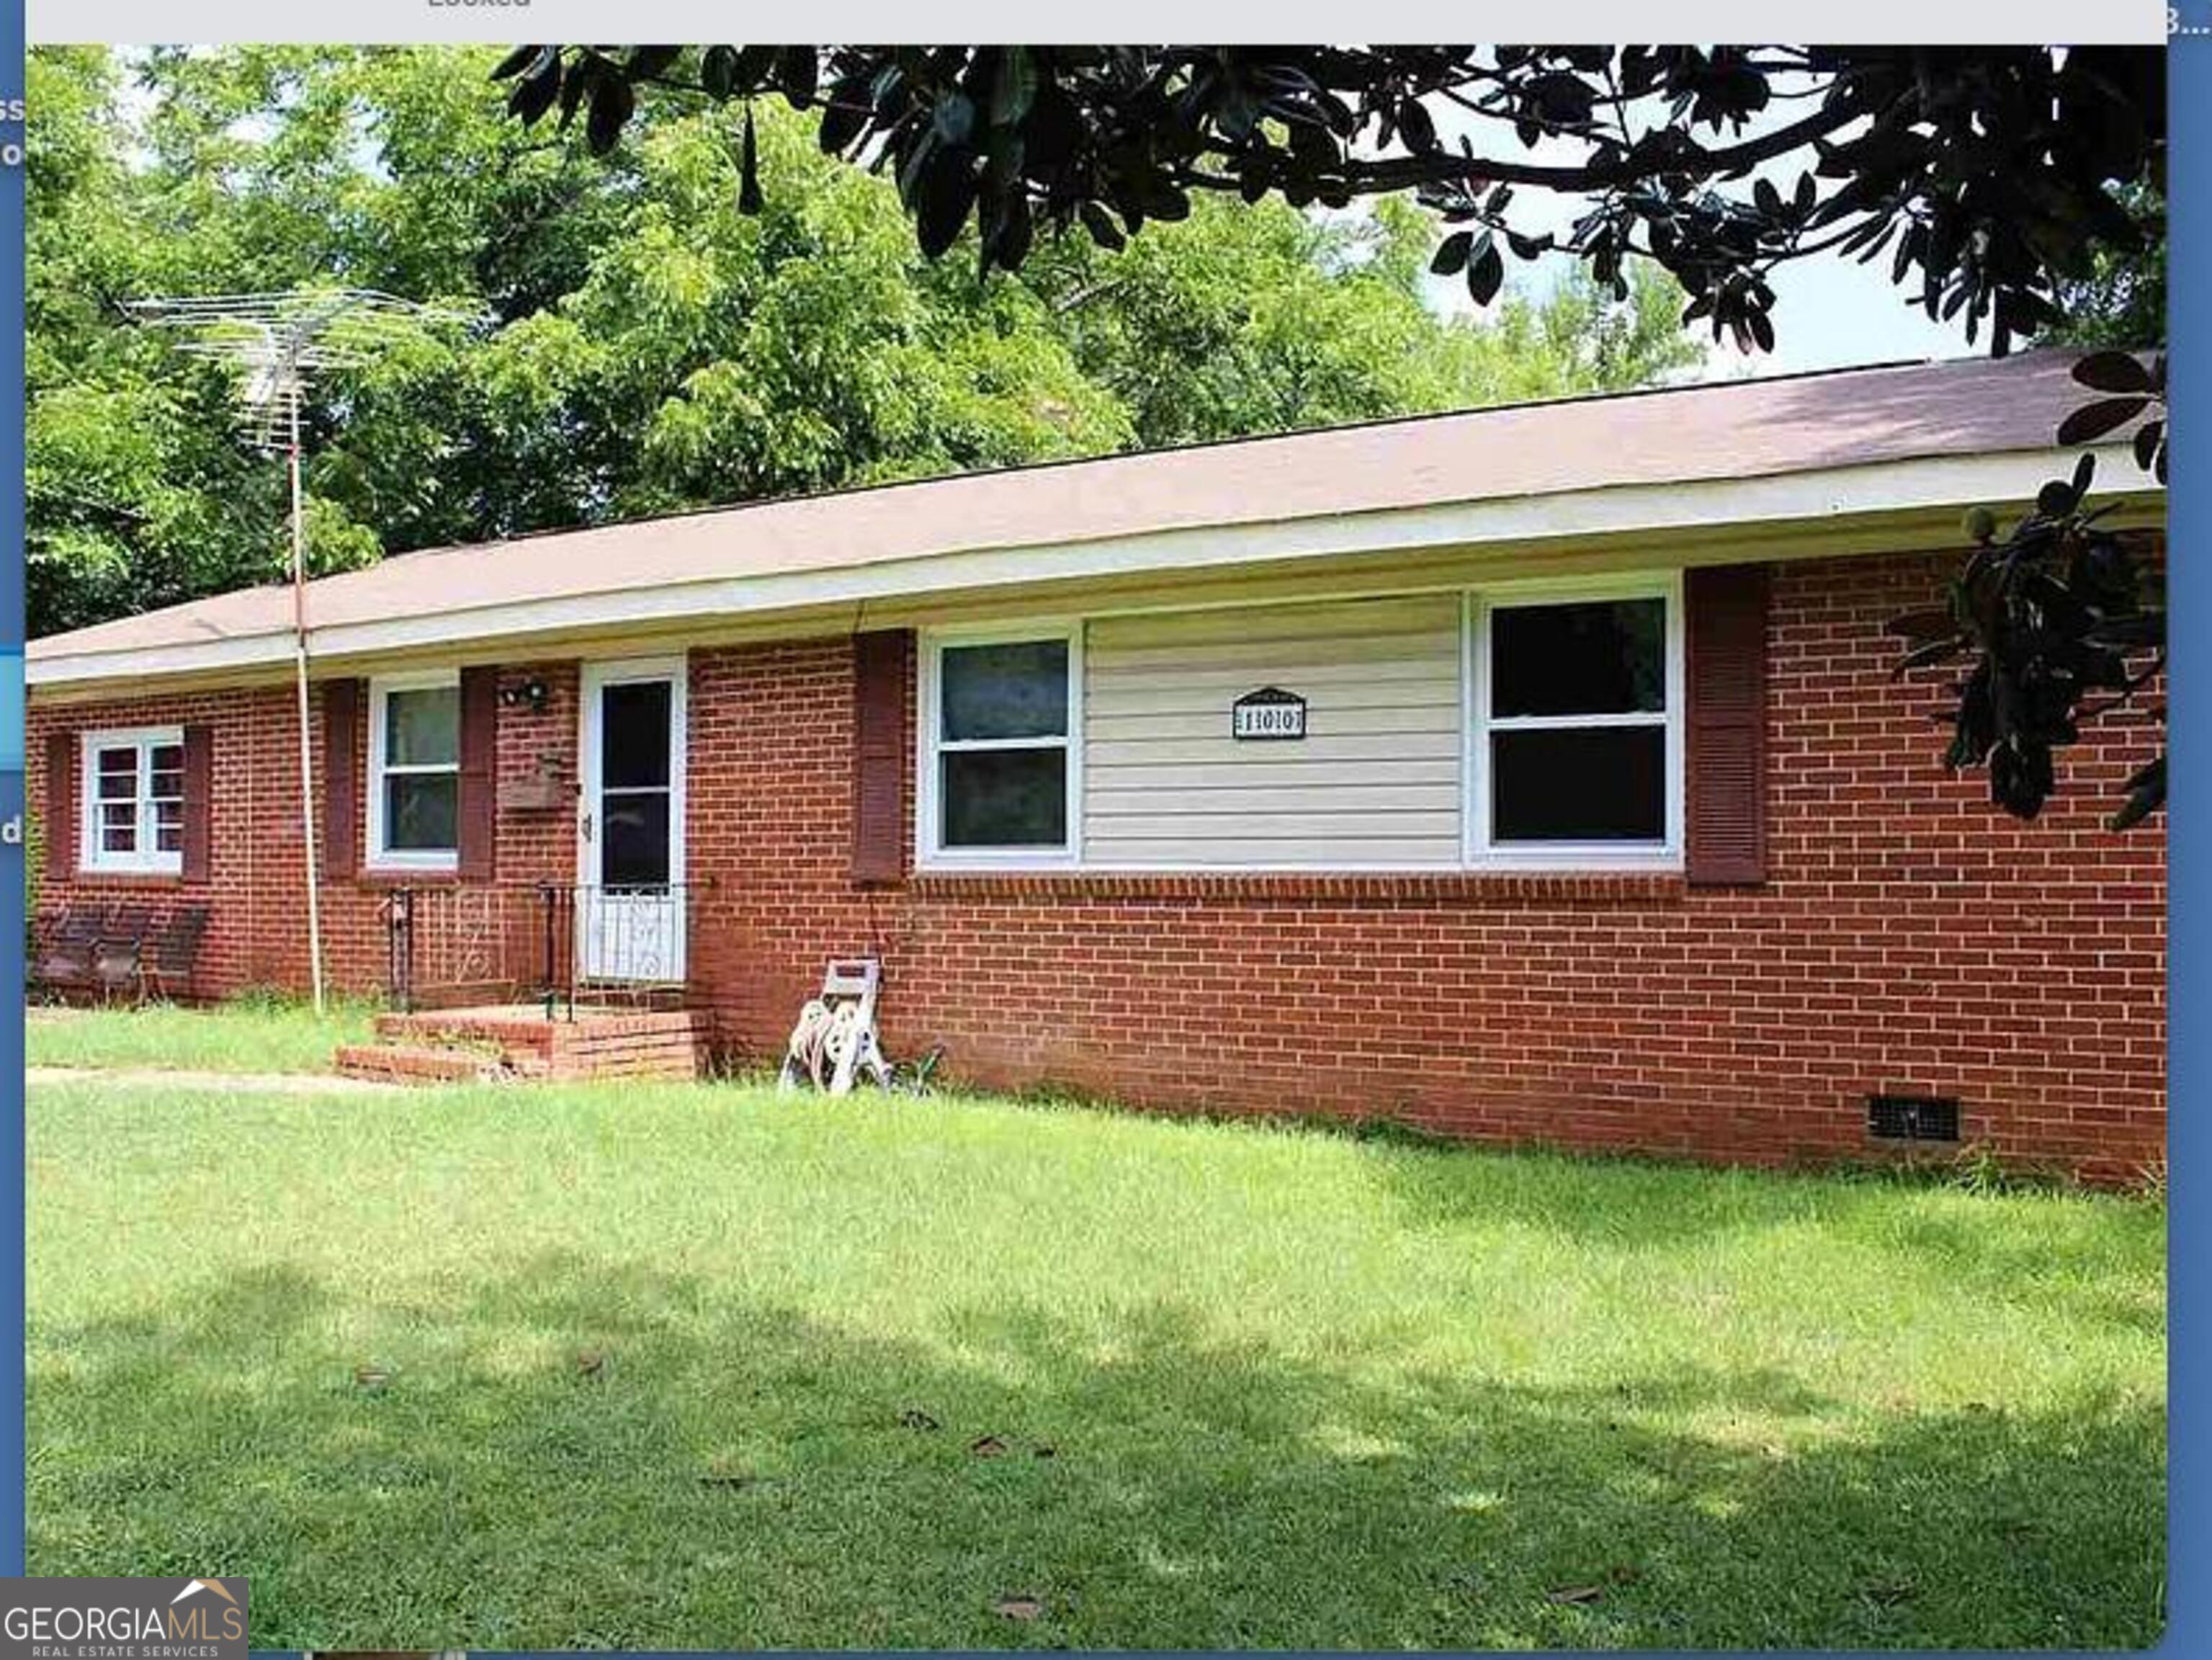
(166, 960)
(67, 939)
(115, 955)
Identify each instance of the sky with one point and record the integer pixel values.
(1830, 312)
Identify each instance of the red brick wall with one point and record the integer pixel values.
(1909, 939)
(258, 932)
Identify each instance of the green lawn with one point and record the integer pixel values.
(1241, 1387)
(272, 1036)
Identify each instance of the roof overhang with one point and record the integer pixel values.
(1890, 506)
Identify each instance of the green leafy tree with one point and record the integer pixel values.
(2121, 302)
(653, 339)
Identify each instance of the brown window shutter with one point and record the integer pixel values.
(479, 826)
(199, 801)
(62, 795)
(1726, 728)
(882, 667)
(341, 806)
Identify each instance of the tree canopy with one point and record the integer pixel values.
(1989, 171)
(649, 345)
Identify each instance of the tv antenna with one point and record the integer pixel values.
(278, 344)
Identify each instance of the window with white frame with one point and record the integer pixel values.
(414, 771)
(1576, 731)
(134, 801)
(1000, 775)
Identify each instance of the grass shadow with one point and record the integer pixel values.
(736, 1472)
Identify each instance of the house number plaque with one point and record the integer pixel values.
(1270, 713)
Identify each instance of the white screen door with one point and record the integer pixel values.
(629, 829)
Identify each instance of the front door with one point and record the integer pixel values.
(629, 827)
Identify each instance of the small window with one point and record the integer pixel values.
(1575, 740)
(134, 801)
(1000, 750)
(414, 772)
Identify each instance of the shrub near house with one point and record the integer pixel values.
(1601, 823)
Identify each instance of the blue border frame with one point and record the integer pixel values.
(2189, 894)
(11, 782)
(2189, 973)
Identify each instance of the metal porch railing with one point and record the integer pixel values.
(563, 944)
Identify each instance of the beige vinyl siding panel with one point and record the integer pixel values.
(1374, 784)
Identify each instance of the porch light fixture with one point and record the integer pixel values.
(533, 694)
(276, 344)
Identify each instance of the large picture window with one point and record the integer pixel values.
(1000, 715)
(133, 817)
(414, 771)
(1575, 754)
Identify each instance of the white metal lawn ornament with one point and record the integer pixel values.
(835, 1041)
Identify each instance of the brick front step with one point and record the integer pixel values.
(510, 1042)
(401, 1063)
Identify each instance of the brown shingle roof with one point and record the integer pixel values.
(1723, 430)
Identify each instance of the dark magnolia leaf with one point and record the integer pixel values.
(2085, 473)
(2114, 372)
(581, 80)
(749, 187)
(2056, 498)
(1527, 247)
(942, 200)
(754, 65)
(2146, 795)
(2143, 631)
(1937, 651)
(1053, 132)
(913, 164)
(646, 62)
(2093, 421)
(844, 120)
(954, 117)
(534, 96)
(1924, 624)
(613, 103)
(1100, 223)
(515, 61)
(1010, 245)
(1485, 272)
(1013, 88)
(1417, 127)
(2146, 443)
(1164, 199)
(1450, 257)
(718, 71)
(797, 73)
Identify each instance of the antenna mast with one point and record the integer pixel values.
(278, 344)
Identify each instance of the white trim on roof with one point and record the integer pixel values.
(1790, 504)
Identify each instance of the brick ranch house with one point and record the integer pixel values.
(1575, 800)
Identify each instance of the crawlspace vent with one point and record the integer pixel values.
(1911, 1118)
